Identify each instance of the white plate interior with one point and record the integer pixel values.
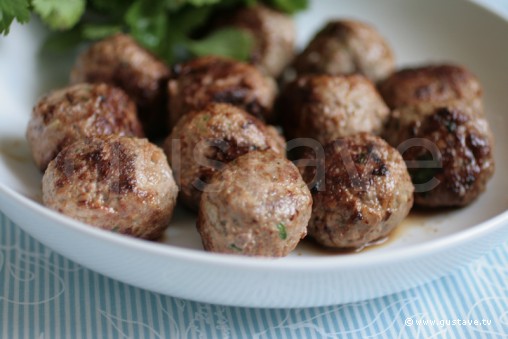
(415, 39)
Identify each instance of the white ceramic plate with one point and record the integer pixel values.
(424, 248)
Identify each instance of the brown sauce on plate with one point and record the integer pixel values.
(417, 218)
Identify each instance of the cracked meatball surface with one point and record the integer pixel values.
(75, 112)
(205, 80)
(274, 34)
(347, 47)
(121, 61)
(458, 144)
(203, 141)
(115, 183)
(258, 205)
(361, 190)
(325, 107)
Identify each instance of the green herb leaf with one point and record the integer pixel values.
(290, 6)
(59, 15)
(147, 23)
(227, 42)
(166, 27)
(177, 4)
(189, 18)
(282, 231)
(98, 31)
(202, 2)
(13, 9)
(236, 248)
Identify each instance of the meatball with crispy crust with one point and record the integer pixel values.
(75, 112)
(204, 140)
(453, 149)
(361, 190)
(326, 107)
(201, 81)
(121, 61)
(434, 84)
(274, 35)
(258, 205)
(115, 183)
(347, 47)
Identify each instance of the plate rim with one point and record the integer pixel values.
(357, 260)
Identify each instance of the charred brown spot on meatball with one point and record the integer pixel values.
(365, 192)
(126, 178)
(76, 112)
(112, 162)
(116, 183)
(465, 166)
(223, 151)
(205, 80)
(212, 137)
(440, 106)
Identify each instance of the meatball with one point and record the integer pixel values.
(203, 141)
(120, 61)
(274, 34)
(361, 191)
(347, 47)
(326, 107)
(72, 113)
(115, 183)
(258, 205)
(451, 149)
(436, 84)
(215, 79)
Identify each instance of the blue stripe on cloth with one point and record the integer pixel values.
(43, 295)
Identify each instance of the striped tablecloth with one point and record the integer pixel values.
(44, 295)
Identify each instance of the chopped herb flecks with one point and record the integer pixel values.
(234, 247)
(282, 231)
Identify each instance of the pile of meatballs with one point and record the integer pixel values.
(364, 141)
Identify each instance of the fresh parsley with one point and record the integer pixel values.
(13, 9)
(236, 248)
(282, 231)
(165, 27)
(57, 14)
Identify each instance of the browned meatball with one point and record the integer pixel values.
(326, 107)
(214, 79)
(274, 34)
(75, 112)
(453, 148)
(362, 191)
(115, 183)
(347, 47)
(119, 60)
(203, 141)
(436, 84)
(258, 205)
